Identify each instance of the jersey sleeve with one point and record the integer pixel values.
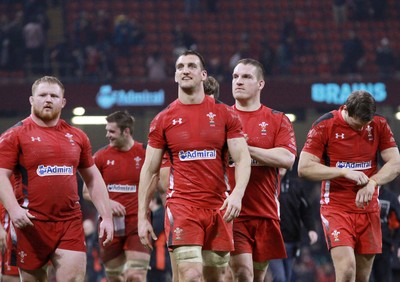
(9, 149)
(286, 137)
(316, 140)
(156, 133)
(386, 137)
(86, 159)
(234, 125)
(98, 159)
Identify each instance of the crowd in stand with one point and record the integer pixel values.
(98, 42)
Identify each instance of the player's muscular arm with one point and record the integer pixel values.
(274, 157)
(149, 178)
(99, 195)
(391, 169)
(19, 216)
(240, 154)
(311, 168)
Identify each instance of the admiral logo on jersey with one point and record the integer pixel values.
(198, 155)
(354, 165)
(54, 170)
(121, 188)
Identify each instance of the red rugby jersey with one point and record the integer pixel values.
(121, 171)
(47, 159)
(195, 138)
(264, 128)
(338, 145)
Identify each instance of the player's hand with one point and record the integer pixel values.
(233, 205)
(360, 178)
(144, 230)
(364, 195)
(106, 228)
(117, 208)
(21, 217)
(313, 236)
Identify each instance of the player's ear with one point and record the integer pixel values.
(261, 84)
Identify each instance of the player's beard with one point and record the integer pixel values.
(46, 115)
(117, 142)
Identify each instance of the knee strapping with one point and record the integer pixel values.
(188, 254)
(216, 259)
(260, 265)
(137, 264)
(114, 271)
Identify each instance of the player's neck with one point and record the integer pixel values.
(190, 98)
(45, 123)
(247, 105)
(127, 146)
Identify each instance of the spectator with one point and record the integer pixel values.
(385, 59)
(61, 58)
(390, 217)
(102, 27)
(191, 6)
(216, 69)
(107, 60)
(241, 53)
(83, 31)
(160, 265)
(34, 35)
(212, 6)
(16, 43)
(94, 267)
(360, 10)
(4, 42)
(285, 55)
(305, 268)
(295, 211)
(183, 41)
(353, 53)
(34, 8)
(92, 63)
(267, 57)
(127, 33)
(378, 8)
(156, 67)
(339, 11)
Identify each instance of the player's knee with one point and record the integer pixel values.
(136, 265)
(215, 259)
(261, 266)
(187, 254)
(241, 271)
(114, 271)
(135, 275)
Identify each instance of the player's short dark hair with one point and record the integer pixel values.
(211, 87)
(361, 104)
(123, 120)
(195, 53)
(257, 64)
